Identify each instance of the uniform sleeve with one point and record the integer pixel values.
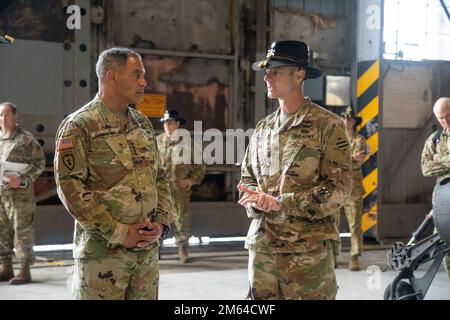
(36, 161)
(248, 178)
(165, 212)
(334, 187)
(71, 174)
(197, 173)
(433, 164)
(361, 146)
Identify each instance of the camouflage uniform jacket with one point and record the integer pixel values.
(21, 146)
(358, 144)
(312, 181)
(109, 175)
(435, 158)
(179, 171)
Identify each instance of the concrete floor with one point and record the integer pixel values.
(217, 275)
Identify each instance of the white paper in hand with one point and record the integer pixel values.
(8, 168)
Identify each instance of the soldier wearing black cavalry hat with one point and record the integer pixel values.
(295, 175)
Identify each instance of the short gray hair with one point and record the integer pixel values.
(11, 105)
(111, 57)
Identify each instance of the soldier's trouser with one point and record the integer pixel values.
(125, 274)
(353, 212)
(182, 219)
(17, 224)
(305, 276)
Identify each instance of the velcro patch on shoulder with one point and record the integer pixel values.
(341, 144)
(64, 144)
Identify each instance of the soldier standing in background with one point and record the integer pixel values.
(17, 196)
(354, 206)
(292, 205)
(435, 159)
(181, 176)
(110, 179)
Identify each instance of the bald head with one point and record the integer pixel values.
(8, 117)
(441, 110)
(10, 105)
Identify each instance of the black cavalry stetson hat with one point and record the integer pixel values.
(288, 53)
(172, 115)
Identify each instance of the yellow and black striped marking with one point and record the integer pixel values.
(368, 108)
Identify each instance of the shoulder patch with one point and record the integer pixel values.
(64, 144)
(69, 161)
(341, 144)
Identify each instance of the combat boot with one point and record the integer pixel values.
(183, 254)
(7, 270)
(353, 264)
(23, 276)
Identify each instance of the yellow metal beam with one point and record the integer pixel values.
(369, 112)
(370, 182)
(369, 219)
(368, 78)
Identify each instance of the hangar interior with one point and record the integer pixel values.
(389, 60)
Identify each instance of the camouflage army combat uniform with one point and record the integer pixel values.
(18, 205)
(109, 175)
(291, 251)
(435, 162)
(181, 197)
(354, 206)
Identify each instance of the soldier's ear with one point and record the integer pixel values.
(300, 74)
(110, 76)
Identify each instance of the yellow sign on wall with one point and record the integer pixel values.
(153, 105)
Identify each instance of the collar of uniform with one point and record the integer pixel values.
(295, 120)
(169, 140)
(108, 116)
(12, 136)
(301, 113)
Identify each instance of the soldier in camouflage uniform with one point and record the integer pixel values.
(17, 196)
(353, 208)
(182, 176)
(435, 159)
(110, 179)
(295, 175)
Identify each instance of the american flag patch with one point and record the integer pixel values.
(341, 144)
(64, 144)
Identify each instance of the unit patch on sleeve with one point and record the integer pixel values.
(341, 144)
(69, 161)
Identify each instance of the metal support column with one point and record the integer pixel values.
(369, 21)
